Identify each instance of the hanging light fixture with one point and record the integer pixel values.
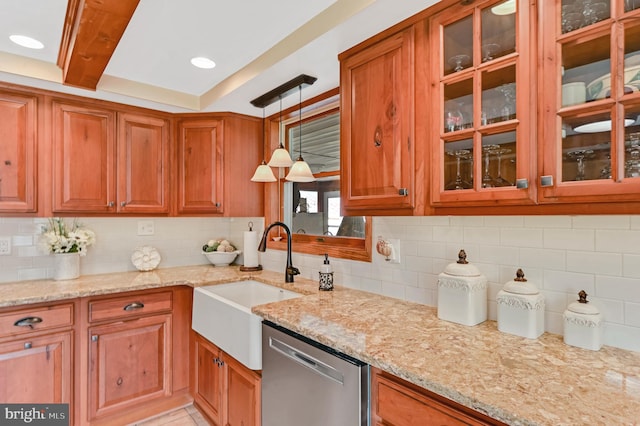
(300, 171)
(263, 172)
(280, 157)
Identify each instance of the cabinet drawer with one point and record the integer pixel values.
(29, 320)
(129, 306)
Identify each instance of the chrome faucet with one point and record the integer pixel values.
(290, 270)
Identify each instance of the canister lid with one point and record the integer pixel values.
(462, 268)
(520, 285)
(582, 306)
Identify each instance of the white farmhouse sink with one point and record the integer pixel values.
(222, 314)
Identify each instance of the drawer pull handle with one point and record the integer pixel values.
(28, 322)
(133, 306)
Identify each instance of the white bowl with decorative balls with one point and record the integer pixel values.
(221, 258)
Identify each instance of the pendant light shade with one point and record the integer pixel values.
(263, 174)
(280, 157)
(300, 171)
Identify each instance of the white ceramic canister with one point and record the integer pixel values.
(521, 308)
(583, 324)
(462, 293)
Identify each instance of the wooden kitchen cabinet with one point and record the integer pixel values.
(137, 355)
(590, 121)
(377, 138)
(224, 389)
(36, 354)
(482, 121)
(217, 156)
(18, 158)
(106, 166)
(397, 402)
(143, 164)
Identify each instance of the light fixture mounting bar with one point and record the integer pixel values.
(283, 90)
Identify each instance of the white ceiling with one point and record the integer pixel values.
(257, 45)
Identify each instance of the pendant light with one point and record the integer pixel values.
(300, 171)
(263, 172)
(280, 157)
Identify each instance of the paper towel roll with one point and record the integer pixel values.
(250, 249)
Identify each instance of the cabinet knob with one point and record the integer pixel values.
(522, 183)
(27, 345)
(123, 203)
(403, 191)
(94, 338)
(111, 204)
(546, 181)
(217, 205)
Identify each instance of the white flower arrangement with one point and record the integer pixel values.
(218, 245)
(58, 237)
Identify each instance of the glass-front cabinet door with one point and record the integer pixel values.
(481, 88)
(590, 127)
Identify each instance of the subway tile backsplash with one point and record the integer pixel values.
(560, 254)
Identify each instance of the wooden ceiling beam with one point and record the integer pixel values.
(91, 32)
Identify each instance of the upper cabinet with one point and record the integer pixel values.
(217, 156)
(590, 121)
(83, 158)
(482, 119)
(377, 138)
(101, 167)
(18, 160)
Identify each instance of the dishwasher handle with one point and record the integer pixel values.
(306, 360)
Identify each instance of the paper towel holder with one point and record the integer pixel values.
(250, 268)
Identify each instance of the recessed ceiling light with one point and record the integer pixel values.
(202, 62)
(25, 41)
(600, 126)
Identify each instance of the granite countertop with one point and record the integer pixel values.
(513, 379)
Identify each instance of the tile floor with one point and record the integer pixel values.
(186, 416)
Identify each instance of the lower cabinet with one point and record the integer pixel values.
(397, 402)
(226, 391)
(137, 348)
(36, 355)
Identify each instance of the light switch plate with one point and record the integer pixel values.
(5, 246)
(146, 227)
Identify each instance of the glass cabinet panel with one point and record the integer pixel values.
(458, 45)
(498, 95)
(499, 160)
(586, 147)
(498, 30)
(578, 14)
(458, 106)
(458, 165)
(586, 70)
(630, 5)
(632, 142)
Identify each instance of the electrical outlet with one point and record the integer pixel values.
(5, 245)
(146, 227)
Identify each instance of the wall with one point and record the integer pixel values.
(560, 254)
(178, 240)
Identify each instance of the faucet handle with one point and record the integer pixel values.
(292, 270)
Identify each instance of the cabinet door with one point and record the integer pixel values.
(243, 394)
(37, 370)
(209, 378)
(483, 120)
(591, 121)
(18, 132)
(376, 134)
(143, 164)
(83, 159)
(129, 363)
(200, 166)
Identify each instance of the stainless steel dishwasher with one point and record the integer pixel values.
(307, 383)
